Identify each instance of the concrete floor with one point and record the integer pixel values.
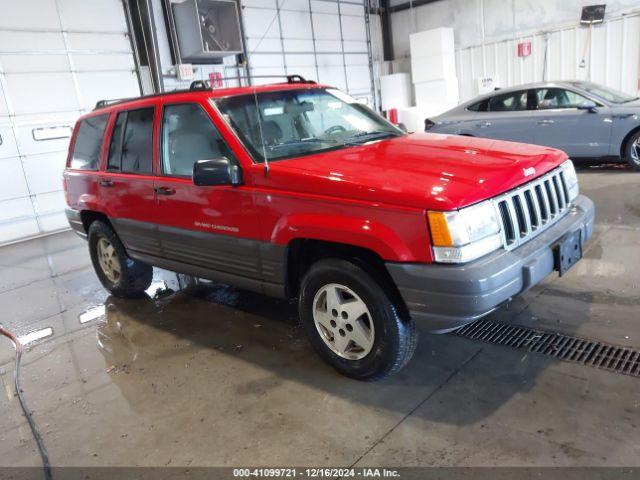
(215, 376)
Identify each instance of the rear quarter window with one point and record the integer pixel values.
(86, 149)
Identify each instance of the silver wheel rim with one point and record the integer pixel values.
(108, 260)
(635, 151)
(343, 321)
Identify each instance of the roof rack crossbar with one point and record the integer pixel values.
(205, 84)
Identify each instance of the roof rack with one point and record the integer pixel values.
(202, 85)
(206, 85)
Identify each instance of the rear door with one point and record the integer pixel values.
(559, 123)
(126, 183)
(506, 118)
(214, 228)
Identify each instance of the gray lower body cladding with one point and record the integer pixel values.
(444, 297)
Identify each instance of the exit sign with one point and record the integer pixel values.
(524, 49)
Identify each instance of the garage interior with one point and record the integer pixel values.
(206, 375)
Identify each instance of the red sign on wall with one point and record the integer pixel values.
(215, 79)
(524, 49)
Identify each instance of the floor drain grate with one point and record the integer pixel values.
(614, 358)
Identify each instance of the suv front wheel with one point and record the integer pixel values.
(352, 322)
(121, 275)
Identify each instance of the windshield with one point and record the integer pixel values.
(293, 123)
(606, 93)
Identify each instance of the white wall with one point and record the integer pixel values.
(612, 52)
(502, 18)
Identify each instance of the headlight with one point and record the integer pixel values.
(571, 179)
(466, 234)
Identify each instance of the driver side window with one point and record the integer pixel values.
(550, 98)
(189, 135)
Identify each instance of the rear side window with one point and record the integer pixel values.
(86, 150)
(509, 102)
(131, 148)
(479, 106)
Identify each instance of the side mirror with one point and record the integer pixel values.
(588, 105)
(218, 171)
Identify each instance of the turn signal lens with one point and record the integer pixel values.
(440, 235)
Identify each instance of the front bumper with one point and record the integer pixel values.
(444, 297)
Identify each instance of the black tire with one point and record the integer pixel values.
(134, 278)
(628, 154)
(395, 337)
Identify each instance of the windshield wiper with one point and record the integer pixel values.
(305, 141)
(362, 137)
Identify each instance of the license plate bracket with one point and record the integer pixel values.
(567, 251)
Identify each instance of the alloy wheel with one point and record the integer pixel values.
(343, 321)
(108, 260)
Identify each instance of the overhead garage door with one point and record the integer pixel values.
(57, 58)
(323, 40)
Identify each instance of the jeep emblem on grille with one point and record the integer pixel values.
(529, 171)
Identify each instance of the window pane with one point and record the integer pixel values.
(137, 144)
(115, 147)
(188, 135)
(549, 98)
(86, 151)
(509, 102)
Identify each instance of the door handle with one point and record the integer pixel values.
(105, 182)
(546, 122)
(164, 190)
(483, 124)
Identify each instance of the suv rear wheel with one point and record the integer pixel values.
(632, 150)
(121, 275)
(352, 323)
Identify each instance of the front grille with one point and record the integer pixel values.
(530, 209)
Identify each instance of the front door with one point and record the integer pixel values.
(559, 123)
(209, 231)
(126, 183)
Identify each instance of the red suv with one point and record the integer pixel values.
(298, 190)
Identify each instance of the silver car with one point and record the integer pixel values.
(584, 119)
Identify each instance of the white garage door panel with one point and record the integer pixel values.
(100, 15)
(93, 42)
(322, 6)
(326, 26)
(300, 60)
(103, 85)
(298, 24)
(18, 208)
(333, 76)
(48, 79)
(353, 28)
(29, 42)
(44, 172)
(359, 79)
(30, 145)
(103, 62)
(257, 23)
(21, 13)
(8, 147)
(18, 229)
(12, 181)
(34, 63)
(46, 92)
(298, 45)
(330, 38)
(49, 203)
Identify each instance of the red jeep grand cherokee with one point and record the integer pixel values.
(297, 190)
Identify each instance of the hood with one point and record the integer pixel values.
(423, 170)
